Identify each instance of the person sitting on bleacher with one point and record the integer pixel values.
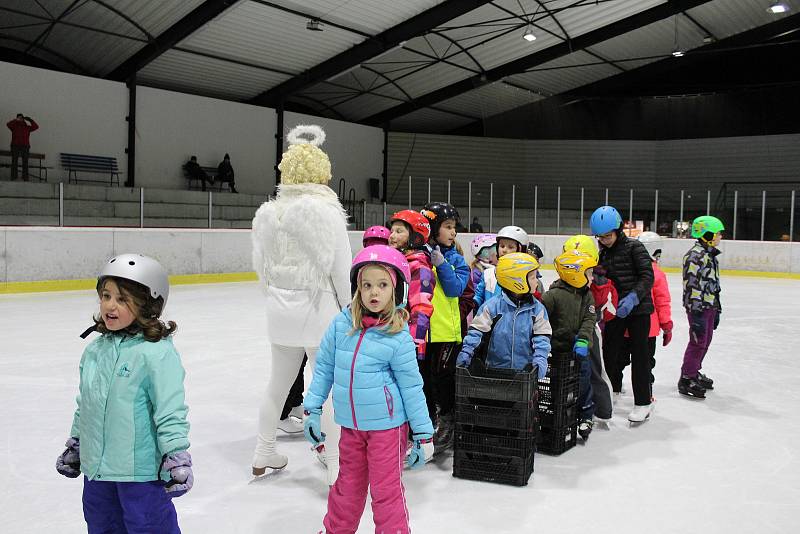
(225, 173)
(195, 172)
(513, 326)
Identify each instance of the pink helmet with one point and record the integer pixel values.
(376, 232)
(482, 241)
(383, 255)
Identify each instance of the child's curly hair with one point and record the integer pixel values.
(144, 308)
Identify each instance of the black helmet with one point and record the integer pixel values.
(535, 251)
(436, 213)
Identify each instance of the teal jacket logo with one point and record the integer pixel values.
(124, 371)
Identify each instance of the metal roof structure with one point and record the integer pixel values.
(416, 65)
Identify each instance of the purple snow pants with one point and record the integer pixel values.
(696, 349)
(128, 508)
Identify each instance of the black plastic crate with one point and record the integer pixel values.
(555, 416)
(494, 441)
(496, 384)
(511, 470)
(563, 366)
(557, 440)
(519, 416)
(558, 391)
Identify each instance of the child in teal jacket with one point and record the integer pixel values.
(130, 424)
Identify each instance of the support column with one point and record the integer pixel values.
(385, 174)
(131, 119)
(278, 142)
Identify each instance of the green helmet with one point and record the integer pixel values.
(706, 223)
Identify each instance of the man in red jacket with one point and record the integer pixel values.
(21, 142)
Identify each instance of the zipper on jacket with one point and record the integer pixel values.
(352, 376)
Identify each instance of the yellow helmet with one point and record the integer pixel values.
(585, 244)
(512, 271)
(572, 265)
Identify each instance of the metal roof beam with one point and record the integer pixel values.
(179, 31)
(368, 49)
(551, 53)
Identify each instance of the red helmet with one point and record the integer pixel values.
(419, 226)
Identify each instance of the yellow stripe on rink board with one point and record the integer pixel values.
(89, 283)
(739, 272)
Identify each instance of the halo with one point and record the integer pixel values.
(306, 134)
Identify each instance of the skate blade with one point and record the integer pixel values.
(690, 396)
(260, 472)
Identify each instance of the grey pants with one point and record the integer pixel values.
(601, 386)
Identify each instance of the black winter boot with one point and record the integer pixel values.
(691, 388)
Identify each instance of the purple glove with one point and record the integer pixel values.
(626, 304)
(179, 465)
(437, 258)
(69, 463)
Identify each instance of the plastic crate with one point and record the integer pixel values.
(511, 470)
(494, 441)
(563, 366)
(555, 416)
(558, 391)
(519, 416)
(556, 441)
(496, 384)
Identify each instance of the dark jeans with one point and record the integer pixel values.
(16, 153)
(130, 507)
(600, 391)
(697, 348)
(638, 327)
(438, 371)
(295, 396)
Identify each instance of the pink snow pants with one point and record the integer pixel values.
(374, 459)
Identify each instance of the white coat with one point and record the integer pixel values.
(301, 253)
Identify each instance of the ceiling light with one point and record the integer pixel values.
(314, 25)
(778, 7)
(529, 36)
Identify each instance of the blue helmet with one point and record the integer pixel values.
(604, 219)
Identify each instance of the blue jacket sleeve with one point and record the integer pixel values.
(322, 380)
(405, 368)
(165, 388)
(454, 280)
(541, 337)
(479, 293)
(481, 325)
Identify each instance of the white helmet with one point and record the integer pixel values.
(516, 233)
(139, 269)
(652, 242)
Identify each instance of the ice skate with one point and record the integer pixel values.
(691, 387)
(443, 438)
(585, 428)
(603, 424)
(640, 414)
(272, 461)
(332, 472)
(704, 381)
(291, 426)
(319, 452)
(615, 397)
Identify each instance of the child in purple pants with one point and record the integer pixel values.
(369, 360)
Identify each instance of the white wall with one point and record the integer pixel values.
(355, 151)
(44, 253)
(75, 113)
(171, 127)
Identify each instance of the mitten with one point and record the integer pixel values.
(69, 462)
(421, 451)
(179, 465)
(437, 258)
(312, 427)
(626, 304)
(667, 329)
(581, 348)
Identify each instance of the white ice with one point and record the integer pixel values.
(727, 464)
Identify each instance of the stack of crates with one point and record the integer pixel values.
(558, 405)
(495, 434)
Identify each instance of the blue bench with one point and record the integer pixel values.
(82, 163)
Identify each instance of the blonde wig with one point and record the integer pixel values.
(304, 162)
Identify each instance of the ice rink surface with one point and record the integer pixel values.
(727, 464)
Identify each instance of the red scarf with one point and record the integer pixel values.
(368, 321)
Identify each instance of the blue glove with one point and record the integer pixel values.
(541, 370)
(463, 359)
(581, 348)
(181, 478)
(437, 258)
(626, 304)
(421, 451)
(312, 427)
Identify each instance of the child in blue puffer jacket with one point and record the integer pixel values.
(129, 432)
(369, 360)
(513, 326)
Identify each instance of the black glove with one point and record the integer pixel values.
(697, 326)
(69, 462)
(716, 319)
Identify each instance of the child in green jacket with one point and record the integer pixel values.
(129, 431)
(570, 307)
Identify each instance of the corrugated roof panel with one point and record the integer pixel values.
(270, 37)
(726, 18)
(371, 17)
(578, 20)
(365, 105)
(565, 73)
(490, 100)
(196, 74)
(48, 8)
(429, 120)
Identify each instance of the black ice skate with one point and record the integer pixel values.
(443, 438)
(691, 388)
(704, 381)
(585, 428)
